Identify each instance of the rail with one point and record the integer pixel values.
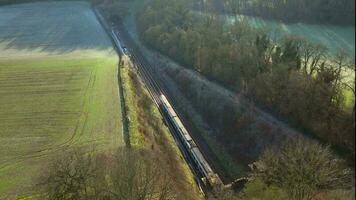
(155, 88)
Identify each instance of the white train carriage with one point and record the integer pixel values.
(183, 133)
(202, 164)
(209, 176)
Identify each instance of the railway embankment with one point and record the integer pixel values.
(149, 135)
(144, 129)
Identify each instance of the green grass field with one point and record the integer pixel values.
(58, 89)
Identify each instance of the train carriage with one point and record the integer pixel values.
(209, 177)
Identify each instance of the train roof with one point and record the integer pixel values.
(171, 111)
(183, 132)
(175, 117)
(182, 128)
(202, 160)
(164, 99)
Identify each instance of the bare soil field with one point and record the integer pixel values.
(58, 89)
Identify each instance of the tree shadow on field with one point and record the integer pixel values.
(55, 27)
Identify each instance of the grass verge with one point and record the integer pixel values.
(148, 132)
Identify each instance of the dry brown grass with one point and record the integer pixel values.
(149, 134)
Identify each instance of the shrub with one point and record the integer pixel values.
(303, 168)
(257, 189)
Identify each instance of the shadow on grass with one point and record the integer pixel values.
(55, 27)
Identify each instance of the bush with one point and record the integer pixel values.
(257, 189)
(303, 168)
(92, 176)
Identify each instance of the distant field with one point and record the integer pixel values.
(333, 37)
(58, 88)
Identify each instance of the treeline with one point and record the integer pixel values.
(293, 78)
(123, 175)
(312, 172)
(339, 12)
(9, 2)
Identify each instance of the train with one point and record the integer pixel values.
(209, 178)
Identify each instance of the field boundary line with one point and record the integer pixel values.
(124, 120)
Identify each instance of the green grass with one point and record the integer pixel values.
(58, 89)
(48, 106)
(349, 79)
(131, 100)
(349, 98)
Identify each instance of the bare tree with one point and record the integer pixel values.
(303, 168)
(341, 62)
(71, 176)
(127, 175)
(311, 55)
(138, 179)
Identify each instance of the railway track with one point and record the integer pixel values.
(155, 89)
(154, 84)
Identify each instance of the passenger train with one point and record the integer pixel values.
(209, 177)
